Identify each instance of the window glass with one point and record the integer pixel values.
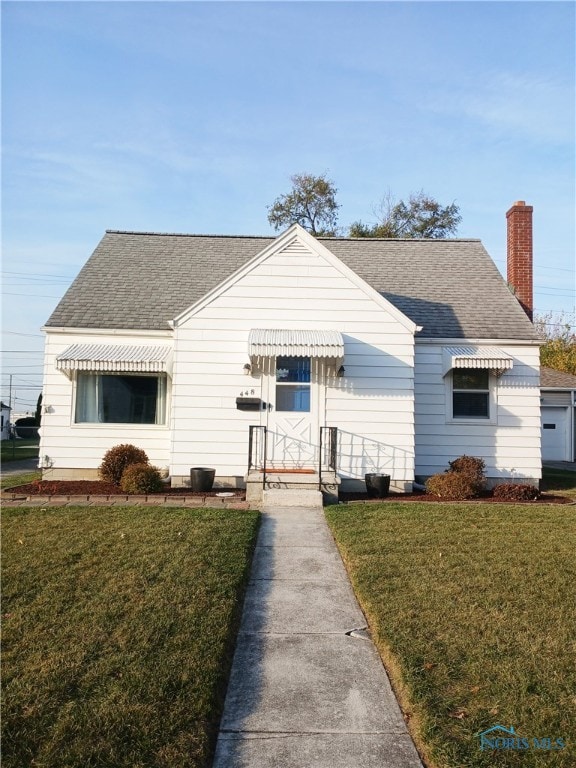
(464, 379)
(290, 396)
(470, 394)
(293, 398)
(471, 405)
(120, 399)
(292, 369)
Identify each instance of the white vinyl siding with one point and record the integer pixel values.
(372, 404)
(509, 441)
(81, 446)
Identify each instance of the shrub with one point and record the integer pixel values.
(117, 459)
(471, 467)
(452, 485)
(464, 480)
(515, 492)
(141, 478)
(26, 427)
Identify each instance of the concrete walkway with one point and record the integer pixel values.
(302, 692)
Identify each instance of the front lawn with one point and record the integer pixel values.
(473, 609)
(12, 481)
(119, 629)
(558, 481)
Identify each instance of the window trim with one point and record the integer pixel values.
(124, 424)
(477, 421)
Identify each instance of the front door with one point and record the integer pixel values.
(293, 413)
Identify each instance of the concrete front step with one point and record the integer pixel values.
(291, 497)
(292, 481)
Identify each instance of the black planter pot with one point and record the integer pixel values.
(201, 478)
(377, 485)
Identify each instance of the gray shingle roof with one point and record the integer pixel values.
(142, 280)
(552, 379)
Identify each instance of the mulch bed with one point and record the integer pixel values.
(100, 488)
(545, 498)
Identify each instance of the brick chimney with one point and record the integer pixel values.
(519, 243)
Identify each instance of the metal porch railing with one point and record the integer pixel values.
(257, 449)
(328, 451)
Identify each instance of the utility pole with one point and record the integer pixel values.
(12, 430)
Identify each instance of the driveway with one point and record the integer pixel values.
(570, 466)
(17, 467)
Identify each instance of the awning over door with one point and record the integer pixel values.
(115, 358)
(271, 342)
(490, 358)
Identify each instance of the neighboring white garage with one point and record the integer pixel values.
(557, 408)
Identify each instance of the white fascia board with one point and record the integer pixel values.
(296, 232)
(136, 332)
(440, 340)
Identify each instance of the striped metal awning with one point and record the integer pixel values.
(488, 358)
(272, 342)
(115, 358)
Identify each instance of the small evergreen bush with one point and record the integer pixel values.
(117, 459)
(452, 485)
(141, 478)
(515, 492)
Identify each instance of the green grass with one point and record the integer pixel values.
(473, 609)
(560, 481)
(119, 629)
(16, 450)
(11, 481)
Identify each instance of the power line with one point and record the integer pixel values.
(38, 275)
(553, 288)
(33, 296)
(16, 333)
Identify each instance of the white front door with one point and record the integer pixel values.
(293, 413)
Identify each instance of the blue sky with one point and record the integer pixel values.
(192, 116)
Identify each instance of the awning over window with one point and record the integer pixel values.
(490, 358)
(270, 342)
(116, 358)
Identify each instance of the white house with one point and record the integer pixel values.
(346, 356)
(4, 421)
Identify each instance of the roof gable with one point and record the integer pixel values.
(144, 280)
(297, 240)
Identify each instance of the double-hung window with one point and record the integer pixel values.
(471, 394)
(111, 398)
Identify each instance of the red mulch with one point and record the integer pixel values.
(100, 488)
(545, 498)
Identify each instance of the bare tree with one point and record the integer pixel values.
(420, 217)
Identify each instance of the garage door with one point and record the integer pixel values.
(554, 434)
